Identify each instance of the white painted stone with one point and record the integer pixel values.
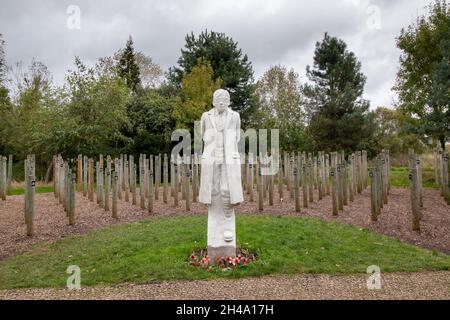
(220, 183)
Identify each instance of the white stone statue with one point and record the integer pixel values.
(220, 184)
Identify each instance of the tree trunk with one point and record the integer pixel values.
(442, 141)
(48, 173)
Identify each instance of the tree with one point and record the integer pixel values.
(150, 73)
(3, 67)
(95, 113)
(5, 105)
(392, 132)
(423, 79)
(128, 68)
(228, 63)
(338, 117)
(29, 122)
(197, 88)
(31, 85)
(279, 101)
(152, 124)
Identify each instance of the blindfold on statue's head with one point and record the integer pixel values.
(221, 99)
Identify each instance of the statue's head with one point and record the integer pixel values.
(221, 99)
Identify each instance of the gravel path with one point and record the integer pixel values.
(426, 285)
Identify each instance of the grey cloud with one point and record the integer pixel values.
(270, 32)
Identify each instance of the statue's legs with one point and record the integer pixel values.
(221, 217)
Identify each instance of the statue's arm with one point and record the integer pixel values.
(202, 126)
(238, 128)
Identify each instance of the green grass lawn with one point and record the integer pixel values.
(20, 191)
(158, 249)
(400, 177)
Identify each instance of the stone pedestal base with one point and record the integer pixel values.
(225, 251)
(221, 230)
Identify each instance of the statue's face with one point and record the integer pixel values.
(221, 100)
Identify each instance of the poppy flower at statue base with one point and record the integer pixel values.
(200, 259)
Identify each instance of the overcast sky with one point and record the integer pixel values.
(269, 32)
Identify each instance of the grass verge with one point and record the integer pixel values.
(20, 191)
(399, 177)
(157, 249)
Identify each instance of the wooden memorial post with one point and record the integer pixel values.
(142, 187)
(270, 182)
(115, 189)
(10, 173)
(2, 178)
(445, 177)
(85, 176)
(175, 194)
(340, 194)
(334, 190)
(186, 187)
(126, 175)
(150, 187)
(195, 178)
(373, 196)
(73, 188)
(296, 190)
(280, 180)
(157, 175)
(250, 182)
(344, 180)
(310, 179)
(319, 176)
(351, 185)
(415, 205)
(259, 187)
(30, 181)
(305, 184)
(91, 180)
(166, 178)
(107, 186)
(80, 173)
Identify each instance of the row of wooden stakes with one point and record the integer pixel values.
(117, 179)
(442, 172)
(379, 175)
(307, 171)
(5, 175)
(416, 195)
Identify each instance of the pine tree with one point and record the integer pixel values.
(228, 62)
(338, 117)
(128, 68)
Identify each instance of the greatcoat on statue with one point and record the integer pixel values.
(232, 156)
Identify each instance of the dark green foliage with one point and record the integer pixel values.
(228, 62)
(150, 115)
(337, 112)
(391, 132)
(423, 79)
(91, 122)
(5, 114)
(128, 68)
